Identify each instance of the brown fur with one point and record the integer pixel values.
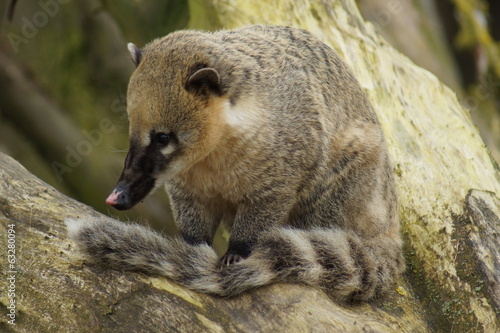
(268, 132)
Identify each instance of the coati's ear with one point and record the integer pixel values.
(135, 53)
(205, 81)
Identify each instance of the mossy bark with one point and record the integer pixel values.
(56, 291)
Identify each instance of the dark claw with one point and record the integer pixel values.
(229, 259)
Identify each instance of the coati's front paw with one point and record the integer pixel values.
(230, 259)
(236, 252)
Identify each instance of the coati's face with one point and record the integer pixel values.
(174, 116)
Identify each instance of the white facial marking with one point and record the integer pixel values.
(146, 140)
(244, 115)
(169, 149)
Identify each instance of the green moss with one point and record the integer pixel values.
(203, 15)
(467, 266)
(444, 308)
(473, 31)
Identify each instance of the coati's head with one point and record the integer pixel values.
(175, 102)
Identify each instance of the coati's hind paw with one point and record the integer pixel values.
(229, 259)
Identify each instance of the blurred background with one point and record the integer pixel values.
(64, 69)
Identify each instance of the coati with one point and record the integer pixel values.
(266, 130)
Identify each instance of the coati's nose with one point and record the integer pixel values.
(119, 198)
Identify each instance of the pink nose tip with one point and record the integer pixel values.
(113, 198)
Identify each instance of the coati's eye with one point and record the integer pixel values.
(162, 139)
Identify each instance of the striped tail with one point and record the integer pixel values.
(337, 261)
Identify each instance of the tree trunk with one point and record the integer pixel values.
(55, 291)
(449, 207)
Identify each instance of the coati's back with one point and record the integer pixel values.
(265, 130)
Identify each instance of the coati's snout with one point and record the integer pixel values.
(120, 197)
(143, 166)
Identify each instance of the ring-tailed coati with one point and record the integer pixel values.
(266, 130)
